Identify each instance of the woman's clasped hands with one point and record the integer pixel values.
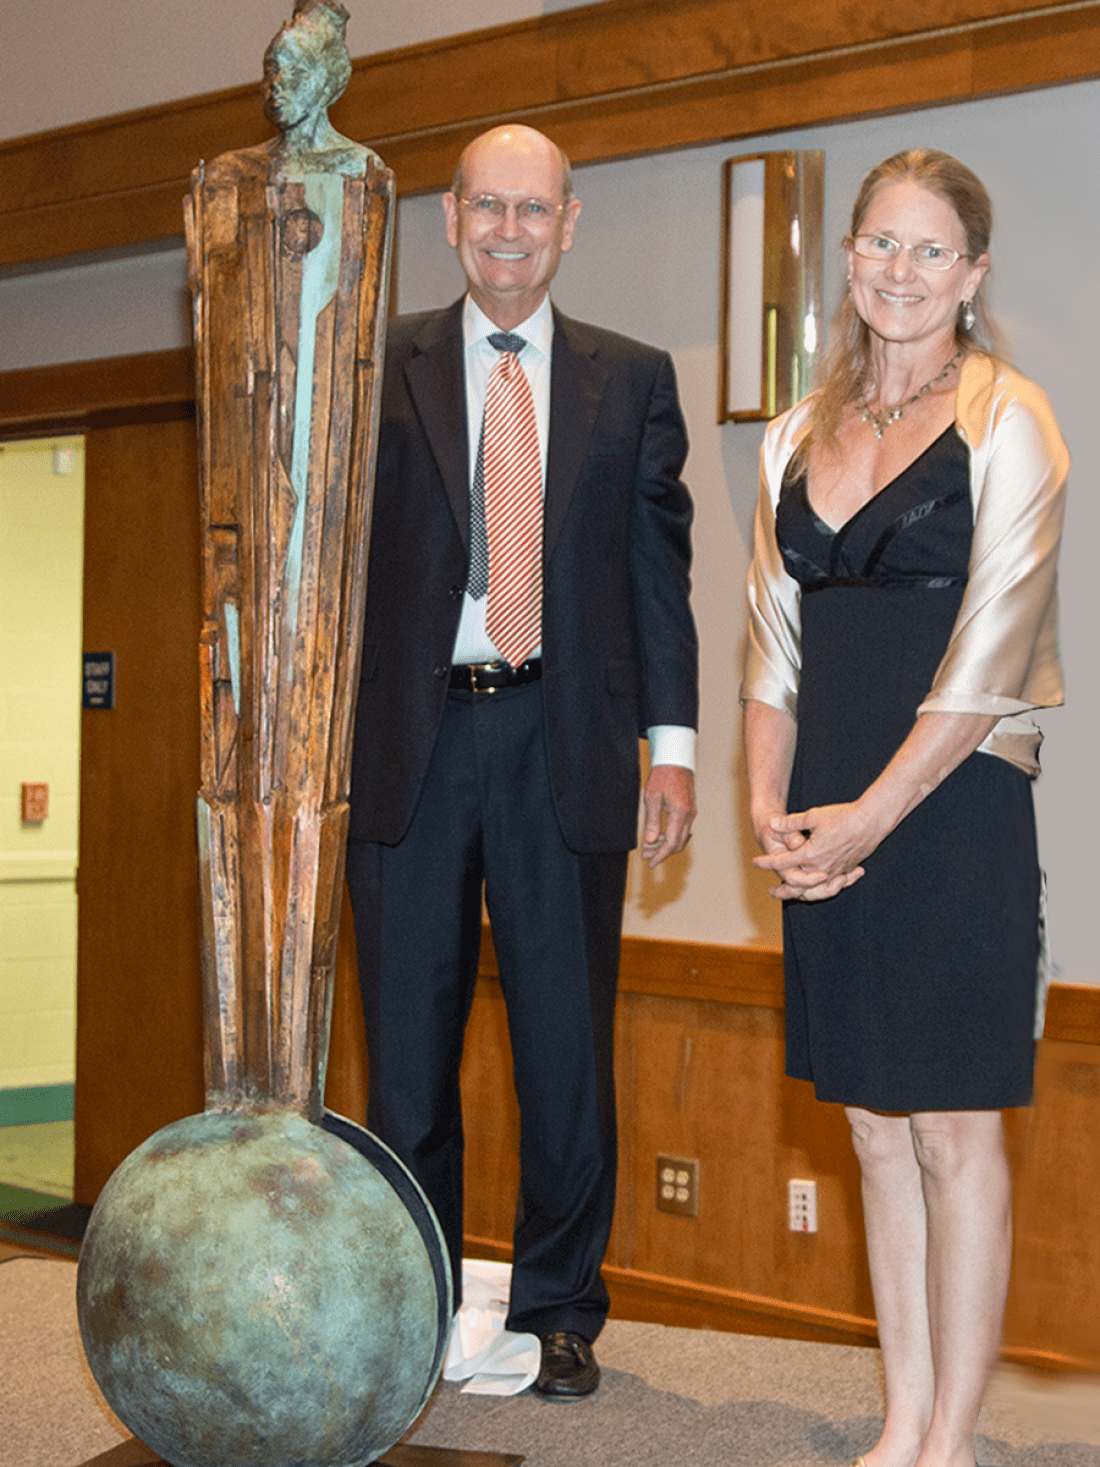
(818, 852)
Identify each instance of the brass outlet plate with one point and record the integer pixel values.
(678, 1186)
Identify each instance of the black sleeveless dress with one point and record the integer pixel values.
(914, 989)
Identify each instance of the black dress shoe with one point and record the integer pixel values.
(568, 1366)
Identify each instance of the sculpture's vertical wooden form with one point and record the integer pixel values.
(265, 1282)
(288, 275)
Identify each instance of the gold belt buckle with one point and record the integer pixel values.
(479, 667)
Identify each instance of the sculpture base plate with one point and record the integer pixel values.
(133, 1454)
(414, 1456)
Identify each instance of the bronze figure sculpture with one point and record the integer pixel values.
(264, 1282)
(288, 251)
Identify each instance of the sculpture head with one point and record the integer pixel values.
(306, 66)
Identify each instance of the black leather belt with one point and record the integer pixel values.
(490, 677)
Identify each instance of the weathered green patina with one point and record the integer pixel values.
(254, 1293)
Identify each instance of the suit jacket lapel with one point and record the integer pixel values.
(577, 383)
(437, 384)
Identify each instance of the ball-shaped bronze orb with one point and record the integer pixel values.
(255, 1289)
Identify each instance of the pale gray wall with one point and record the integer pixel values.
(72, 60)
(87, 307)
(646, 262)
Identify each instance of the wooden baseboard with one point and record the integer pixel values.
(656, 1300)
(1050, 1360)
(652, 1299)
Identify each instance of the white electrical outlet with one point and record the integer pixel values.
(802, 1205)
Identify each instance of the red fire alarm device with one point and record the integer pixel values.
(36, 803)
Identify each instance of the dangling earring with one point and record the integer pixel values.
(968, 317)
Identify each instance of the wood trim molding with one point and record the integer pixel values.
(1073, 1013)
(851, 1327)
(655, 1299)
(610, 80)
(749, 976)
(73, 396)
(752, 977)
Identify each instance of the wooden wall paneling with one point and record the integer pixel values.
(1054, 1300)
(48, 168)
(860, 82)
(707, 1083)
(610, 80)
(1060, 45)
(139, 1040)
(100, 221)
(704, 1078)
(636, 76)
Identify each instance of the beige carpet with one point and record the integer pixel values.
(52, 1415)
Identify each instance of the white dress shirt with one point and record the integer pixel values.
(668, 743)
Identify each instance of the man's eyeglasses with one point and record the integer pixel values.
(925, 256)
(532, 213)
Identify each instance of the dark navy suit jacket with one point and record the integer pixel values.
(619, 645)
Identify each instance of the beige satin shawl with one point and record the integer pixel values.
(1003, 655)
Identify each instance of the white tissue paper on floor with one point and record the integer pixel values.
(490, 1359)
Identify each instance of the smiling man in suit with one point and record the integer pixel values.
(527, 621)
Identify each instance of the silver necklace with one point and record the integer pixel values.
(880, 421)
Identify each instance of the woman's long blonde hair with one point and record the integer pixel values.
(842, 376)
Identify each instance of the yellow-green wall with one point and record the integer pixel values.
(41, 569)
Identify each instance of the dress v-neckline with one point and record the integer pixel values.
(877, 495)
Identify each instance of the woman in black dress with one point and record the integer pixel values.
(903, 624)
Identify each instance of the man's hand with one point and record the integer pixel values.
(669, 812)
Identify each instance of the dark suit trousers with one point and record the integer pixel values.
(486, 817)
